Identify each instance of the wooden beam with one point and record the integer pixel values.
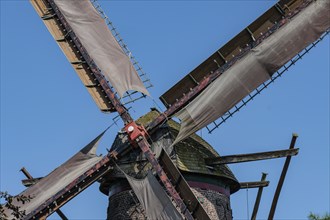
(240, 158)
(249, 185)
(257, 202)
(281, 180)
(194, 206)
(26, 173)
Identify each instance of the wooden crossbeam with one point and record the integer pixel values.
(240, 158)
(249, 185)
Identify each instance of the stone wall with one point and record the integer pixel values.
(124, 205)
(215, 204)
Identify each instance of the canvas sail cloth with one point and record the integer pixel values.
(255, 68)
(59, 178)
(153, 198)
(101, 45)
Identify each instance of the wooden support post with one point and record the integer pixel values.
(257, 202)
(281, 180)
(240, 158)
(28, 175)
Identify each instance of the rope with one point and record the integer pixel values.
(158, 107)
(247, 202)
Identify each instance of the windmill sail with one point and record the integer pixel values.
(101, 46)
(54, 182)
(130, 96)
(153, 198)
(255, 67)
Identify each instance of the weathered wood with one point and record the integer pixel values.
(26, 173)
(281, 180)
(30, 182)
(193, 205)
(240, 158)
(257, 202)
(249, 185)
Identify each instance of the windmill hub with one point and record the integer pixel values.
(130, 129)
(135, 132)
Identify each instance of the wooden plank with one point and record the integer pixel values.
(257, 184)
(189, 198)
(240, 158)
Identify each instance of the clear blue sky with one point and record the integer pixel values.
(47, 115)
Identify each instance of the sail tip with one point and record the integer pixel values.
(92, 146)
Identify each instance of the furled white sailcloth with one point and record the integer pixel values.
(255, 68)
(153, 198)
(59, 178)
(101, 45)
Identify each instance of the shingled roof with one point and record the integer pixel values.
(189, 154)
